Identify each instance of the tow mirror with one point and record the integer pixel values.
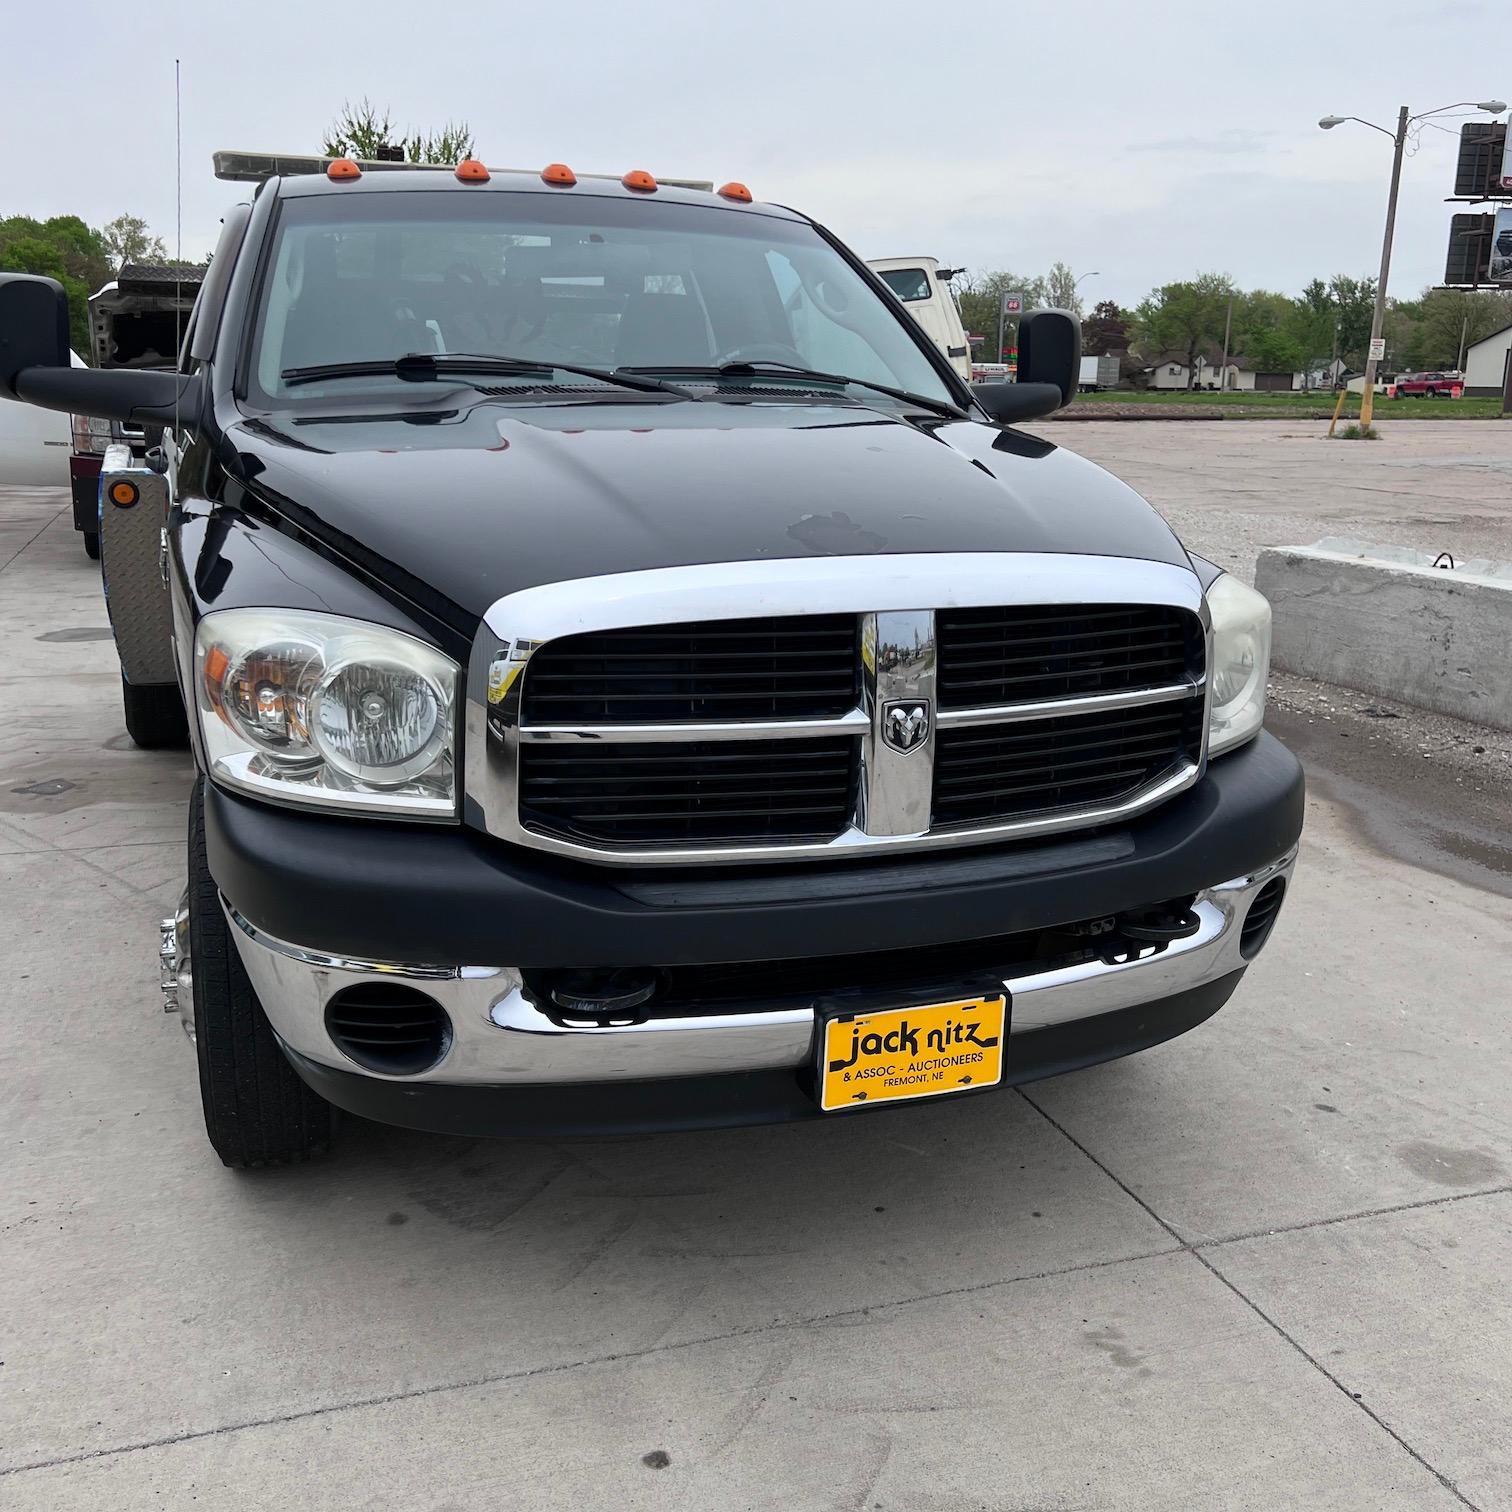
(35, 364)
(1050, 350)
(1049, 365)
(33, 326)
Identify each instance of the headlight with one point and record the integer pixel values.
(1241, 662)
(312, 708)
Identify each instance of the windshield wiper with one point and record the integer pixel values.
(756, 367)
(422, 367)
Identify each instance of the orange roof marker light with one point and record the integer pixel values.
(471, 171)
(640, 180)
(734, 191)
(343, 168)
(559, 174)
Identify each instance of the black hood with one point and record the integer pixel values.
(486, 500)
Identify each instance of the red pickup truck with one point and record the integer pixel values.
(1426, 386)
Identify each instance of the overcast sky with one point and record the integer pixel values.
(1145, 142)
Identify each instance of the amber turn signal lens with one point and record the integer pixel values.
(638, 178)
(343, 168)
(124, 494)
(734, 191)
(559, 174)
(471, 171)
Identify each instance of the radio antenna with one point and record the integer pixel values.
(178, 237)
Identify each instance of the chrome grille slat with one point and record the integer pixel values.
(1133, 646)
(804, 788)
(1004, 777)
(752, 669)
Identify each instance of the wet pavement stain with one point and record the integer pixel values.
(1111, 1341)
(48, 788)
(1448, 1166)
(79, 633)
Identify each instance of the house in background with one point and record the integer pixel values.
(1171, 372)
(1329, 376)
(1486, 364)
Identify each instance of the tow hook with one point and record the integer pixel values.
(1159, 925)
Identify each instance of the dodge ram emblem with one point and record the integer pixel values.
(905, 724)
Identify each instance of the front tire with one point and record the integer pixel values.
(155, 717)
(258, 1113)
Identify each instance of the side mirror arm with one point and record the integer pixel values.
(1008, 403)
(133, 396)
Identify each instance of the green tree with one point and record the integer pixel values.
(127, 240)
(1436, 323)
(979, 297)
(63, 248)
(1061, 290)
(1313, 324)
(1185, 317)
(363, 131)
(1354, 306)
(1263, 332)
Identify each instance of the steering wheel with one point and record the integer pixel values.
(762, 351)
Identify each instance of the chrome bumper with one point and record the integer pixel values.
(499, 1036)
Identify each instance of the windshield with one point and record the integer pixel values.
(558, 278)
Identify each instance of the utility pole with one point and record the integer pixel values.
(1228, 321)
(1459, 362)
(1378, 319)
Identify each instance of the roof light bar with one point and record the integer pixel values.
(253, 167)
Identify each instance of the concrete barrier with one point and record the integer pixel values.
(1384, 620)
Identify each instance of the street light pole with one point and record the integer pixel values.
(1399, 141)
(1378, 319)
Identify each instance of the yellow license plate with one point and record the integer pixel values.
(902, 1053)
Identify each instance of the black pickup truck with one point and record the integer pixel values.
(634, 683)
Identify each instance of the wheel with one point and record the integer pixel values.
(155, 717)
(92, 545)
(257, 1111)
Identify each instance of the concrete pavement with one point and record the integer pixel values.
(1262, 1266)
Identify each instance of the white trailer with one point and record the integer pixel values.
(1098, 373)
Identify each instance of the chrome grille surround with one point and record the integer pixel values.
(895, 792)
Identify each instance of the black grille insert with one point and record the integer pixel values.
(691, 791)
(996, 773)
(798, 667)
(1024, 653)
(1261, 917)
(388, 1027)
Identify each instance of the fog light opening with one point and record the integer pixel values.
(1261, 917)
(388, 1027)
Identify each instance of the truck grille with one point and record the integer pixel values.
(1027, 653)
(800, 667)
(992, 773)
(693, 792)
(828, 734)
